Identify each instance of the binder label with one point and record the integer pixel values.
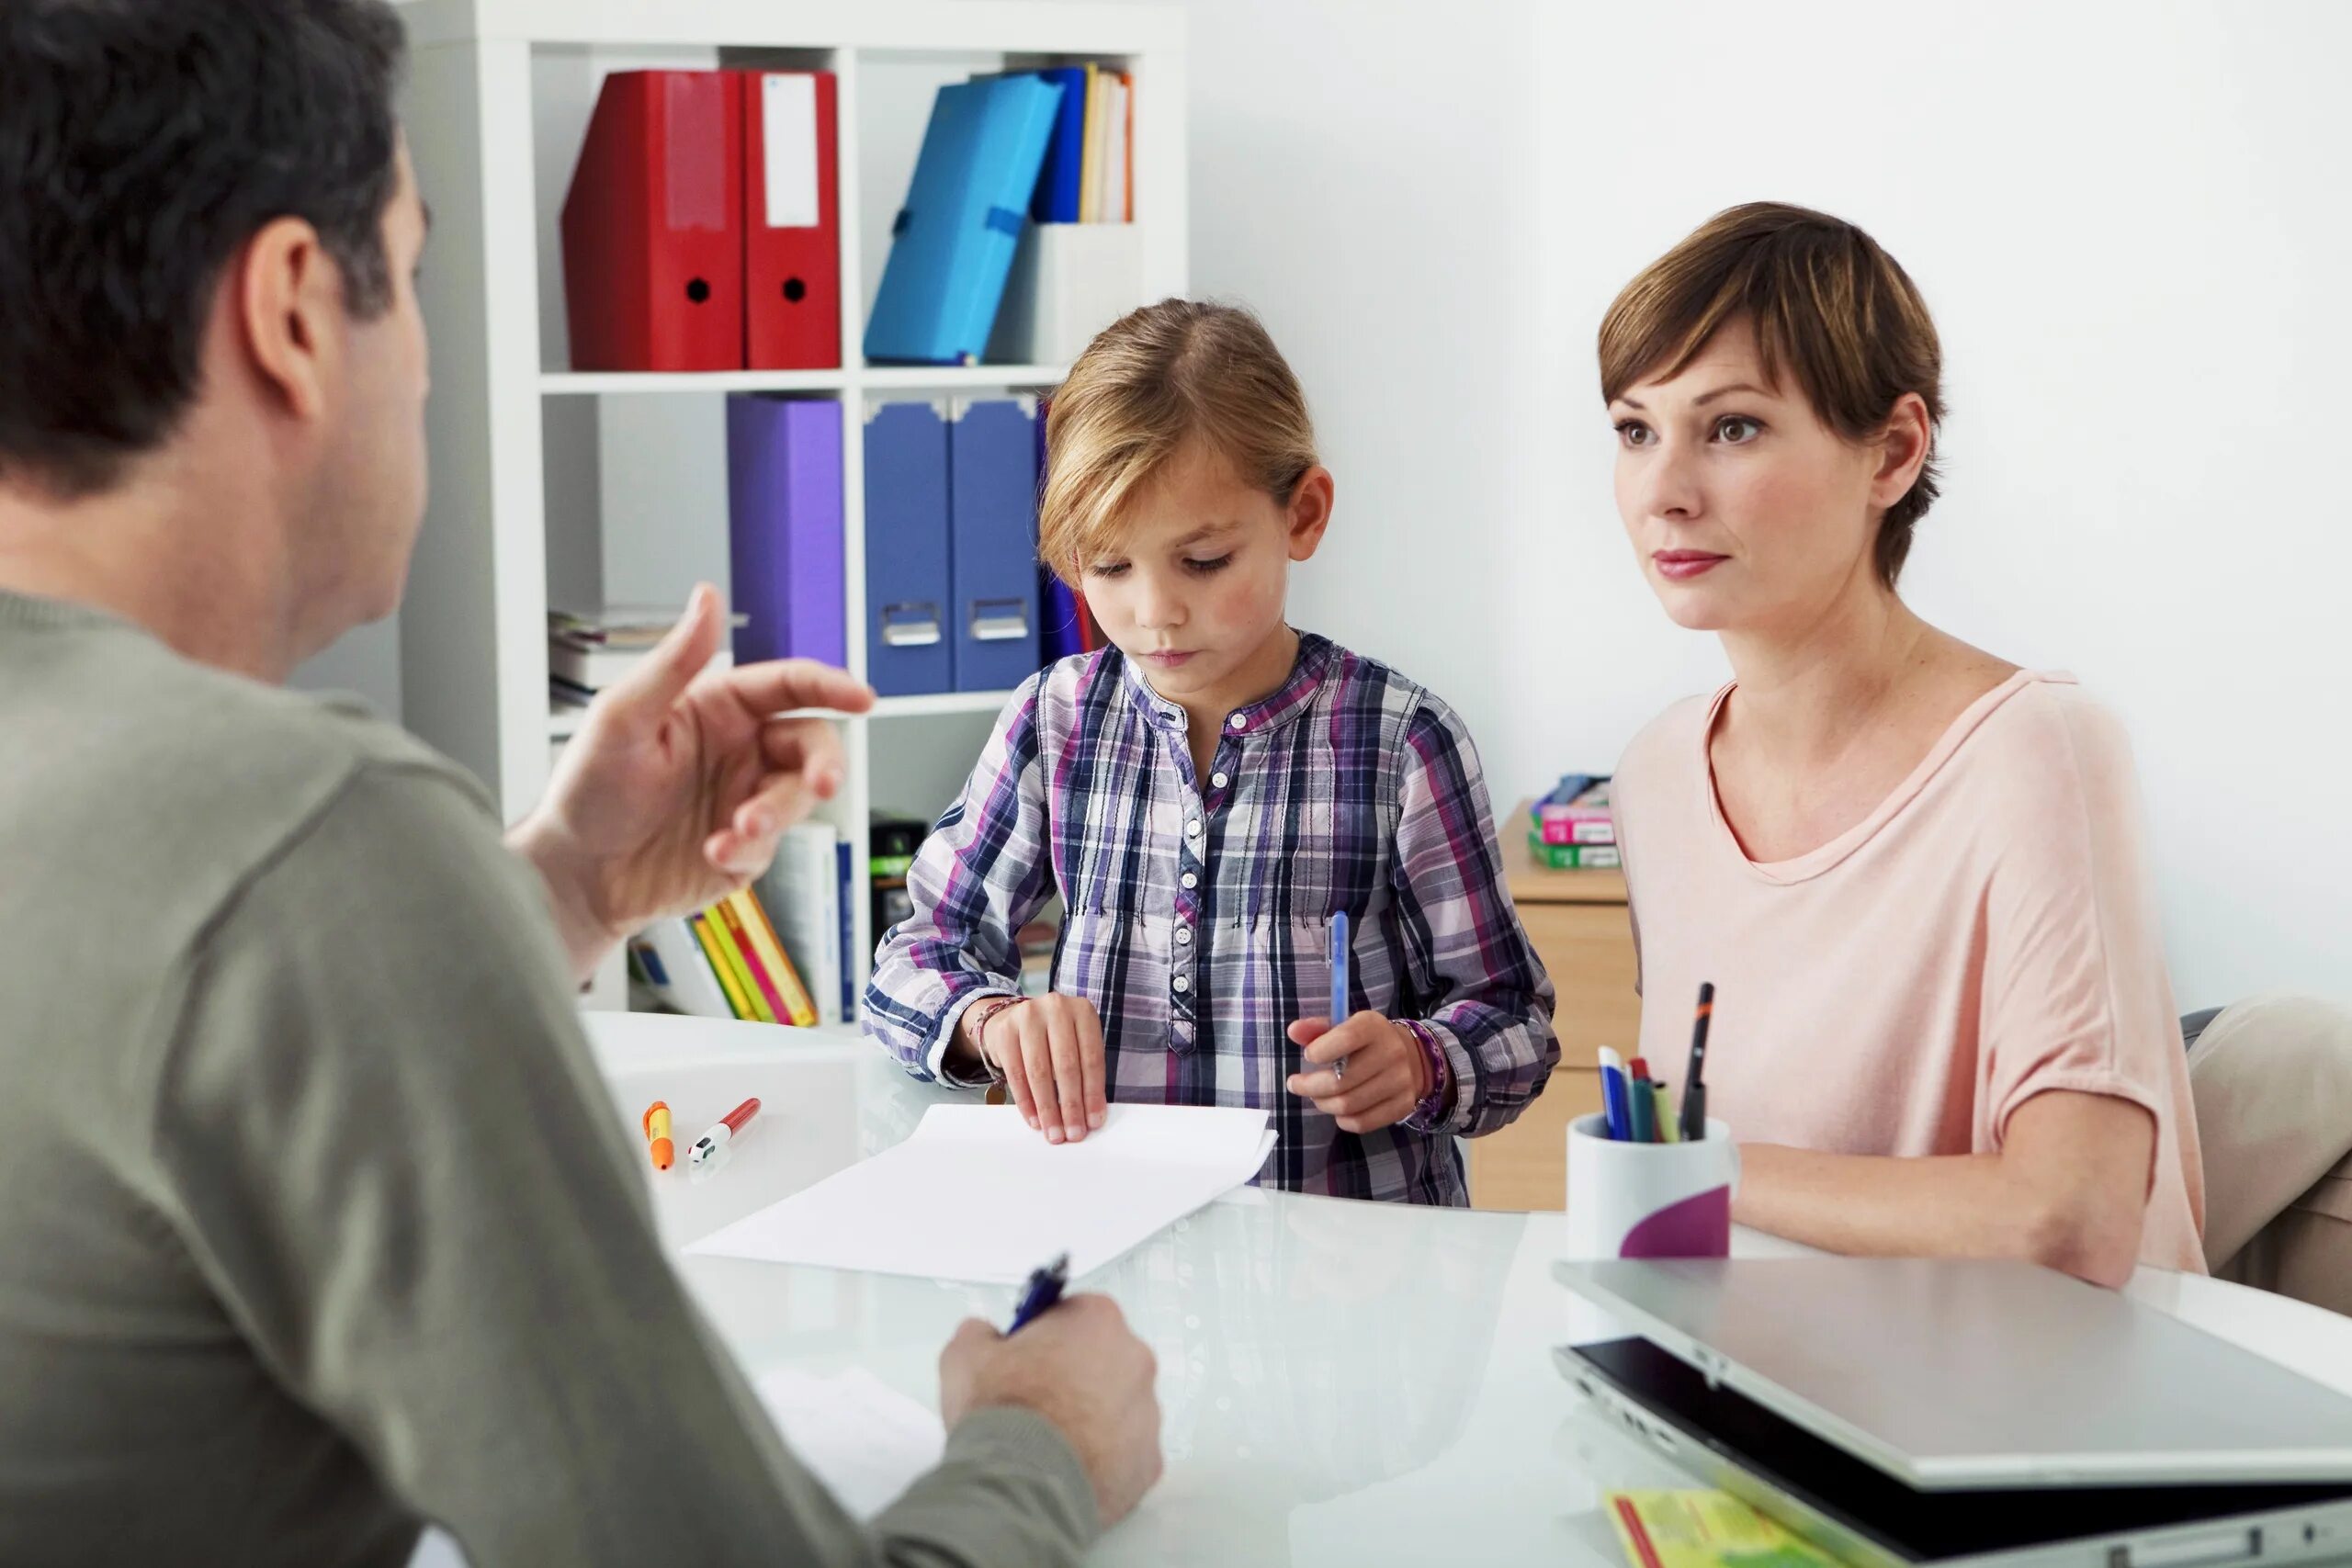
(694, 123)
(788, 118)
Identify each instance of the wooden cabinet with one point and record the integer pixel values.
(1578, 921)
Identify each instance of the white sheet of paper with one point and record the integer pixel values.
(975, 1195)
(862, 1438)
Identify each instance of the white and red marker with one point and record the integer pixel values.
(723, 1134)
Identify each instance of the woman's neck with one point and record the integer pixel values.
(1803, 695)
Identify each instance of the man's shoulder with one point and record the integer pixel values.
(155, 784)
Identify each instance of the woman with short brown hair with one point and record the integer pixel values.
(1913, 871)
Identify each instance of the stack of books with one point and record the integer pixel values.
(1088, 174)
(1572, 828)
(725, 962)
(593, 650)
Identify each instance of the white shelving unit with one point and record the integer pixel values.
(541, 475)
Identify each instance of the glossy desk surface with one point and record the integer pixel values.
(1342, 1382)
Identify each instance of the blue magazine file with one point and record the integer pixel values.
(992, 505)
(950, 249)
(908, 649)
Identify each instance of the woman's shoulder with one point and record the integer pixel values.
(2048, 724)
(2048, 764)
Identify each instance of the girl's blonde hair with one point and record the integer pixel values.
(1152, 382)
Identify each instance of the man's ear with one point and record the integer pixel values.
(288, 299)
(1310, 511)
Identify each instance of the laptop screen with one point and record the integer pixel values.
(1920, 1527)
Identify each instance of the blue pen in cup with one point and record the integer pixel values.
(1045, 1288)
(1340, 986)
(1616, 1096)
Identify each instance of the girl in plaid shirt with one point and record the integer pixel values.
(1204, 795)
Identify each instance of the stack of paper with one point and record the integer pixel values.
(977, 1195)
(863, 1438)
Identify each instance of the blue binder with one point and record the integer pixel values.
(1057, 197)
(993, 503)
(908, 651)
(950, 249)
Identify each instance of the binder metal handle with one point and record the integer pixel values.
(999, 620)
(911, 626)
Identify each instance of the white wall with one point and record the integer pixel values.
(1364, 177)
(2132, 229)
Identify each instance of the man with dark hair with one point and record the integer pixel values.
(315, 1220)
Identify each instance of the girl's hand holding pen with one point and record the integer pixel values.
(1387, 1073)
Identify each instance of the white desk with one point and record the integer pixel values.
(1342, 1382)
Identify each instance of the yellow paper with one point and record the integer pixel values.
(1704, 1529)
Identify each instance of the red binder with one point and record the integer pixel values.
(654, 225)
(792, 251)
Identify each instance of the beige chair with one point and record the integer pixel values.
(2272, 1080)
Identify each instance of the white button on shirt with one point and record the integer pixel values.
(1190, 880)
(1192, 829)
(1219, 780)
(1182, 984)
(1184, 935)
(1241, 721)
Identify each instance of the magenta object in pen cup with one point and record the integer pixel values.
(1628, 1200)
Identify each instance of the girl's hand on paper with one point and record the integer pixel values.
(1049, 1051)
(1388, 1073)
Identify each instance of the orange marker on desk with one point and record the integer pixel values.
(657, 1134)
(719, 1136)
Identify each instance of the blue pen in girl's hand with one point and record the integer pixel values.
(1340, 986)
(1045, 1288)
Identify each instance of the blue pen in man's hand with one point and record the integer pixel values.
(1043, 1290)
(1340, 986)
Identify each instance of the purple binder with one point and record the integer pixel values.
(783, 505)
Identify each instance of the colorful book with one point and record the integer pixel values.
(1574, 857)
(679, 971)
(1601, 829)
(800, 895)
(1703, 1530)
(1577, 811)
(1570, 787)
(733, 978)
(1586, 805)
(1090, 168)
(844, 883)
(1055, 200)
(791, 999)
(774, 1009)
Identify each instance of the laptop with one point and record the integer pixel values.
(1956, 1413)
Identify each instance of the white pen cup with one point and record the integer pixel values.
(1630, 1199)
